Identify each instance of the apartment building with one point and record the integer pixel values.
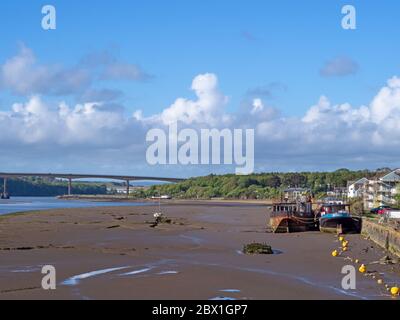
(376, 192)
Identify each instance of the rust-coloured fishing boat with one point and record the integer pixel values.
(293, 217)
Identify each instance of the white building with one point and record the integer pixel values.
(376, 192)
(355, 188)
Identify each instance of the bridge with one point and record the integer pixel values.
(71, 177)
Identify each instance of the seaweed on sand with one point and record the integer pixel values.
(257, 248)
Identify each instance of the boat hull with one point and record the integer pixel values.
(340, 225)
(289, 224)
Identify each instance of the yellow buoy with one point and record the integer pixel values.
(363, 269)
(394, 291)
(341, 239)
(344, 248)
(335, 253)
(345, 244)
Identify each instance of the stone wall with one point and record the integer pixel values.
(385, 235)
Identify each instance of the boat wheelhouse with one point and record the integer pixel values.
(293, 217)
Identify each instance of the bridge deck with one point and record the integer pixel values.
(87, 176)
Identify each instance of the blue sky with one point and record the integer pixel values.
(175, 40)
(274, 49)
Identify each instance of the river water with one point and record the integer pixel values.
(22, 204)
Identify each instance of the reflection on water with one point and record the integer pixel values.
(167, 272)
(136, 272)
(22, 204)
(223, 299)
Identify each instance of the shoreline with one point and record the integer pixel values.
(164, 201)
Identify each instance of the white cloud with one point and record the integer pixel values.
(337, 130)
(386, 104)
(207, 109)
(258, 106)
(23, 75)
(335, 135)
(36, 123)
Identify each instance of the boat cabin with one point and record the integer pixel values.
(326, 209)
(300, 208)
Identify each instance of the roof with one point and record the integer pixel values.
(361, 181)
(394, 176)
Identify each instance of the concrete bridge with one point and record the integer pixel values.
(71, 177)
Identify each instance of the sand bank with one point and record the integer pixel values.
(113, 253)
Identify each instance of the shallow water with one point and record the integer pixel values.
(223, 299)
(22, 204)
(136, 272)
(76, 279)
(167, 272)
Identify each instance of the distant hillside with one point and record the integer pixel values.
(31, 187)
(257, 186)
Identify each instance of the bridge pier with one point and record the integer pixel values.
(69, 186)
(5, 194)
(127, 188)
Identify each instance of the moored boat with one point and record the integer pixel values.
(293, 217)
(337, 218)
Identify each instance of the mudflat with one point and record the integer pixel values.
(117, 253)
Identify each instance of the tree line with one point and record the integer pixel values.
(257, 186)
(48, 187)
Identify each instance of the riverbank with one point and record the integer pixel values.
(115, 253)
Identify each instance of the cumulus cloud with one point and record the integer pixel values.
(36, 123)
(340, 131)
(339, 67)
(207, 109)
(327, 135)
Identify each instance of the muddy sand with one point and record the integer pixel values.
(114, 253)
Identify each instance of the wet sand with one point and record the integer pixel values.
(114, 253)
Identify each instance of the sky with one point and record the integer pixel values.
(82, 97)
